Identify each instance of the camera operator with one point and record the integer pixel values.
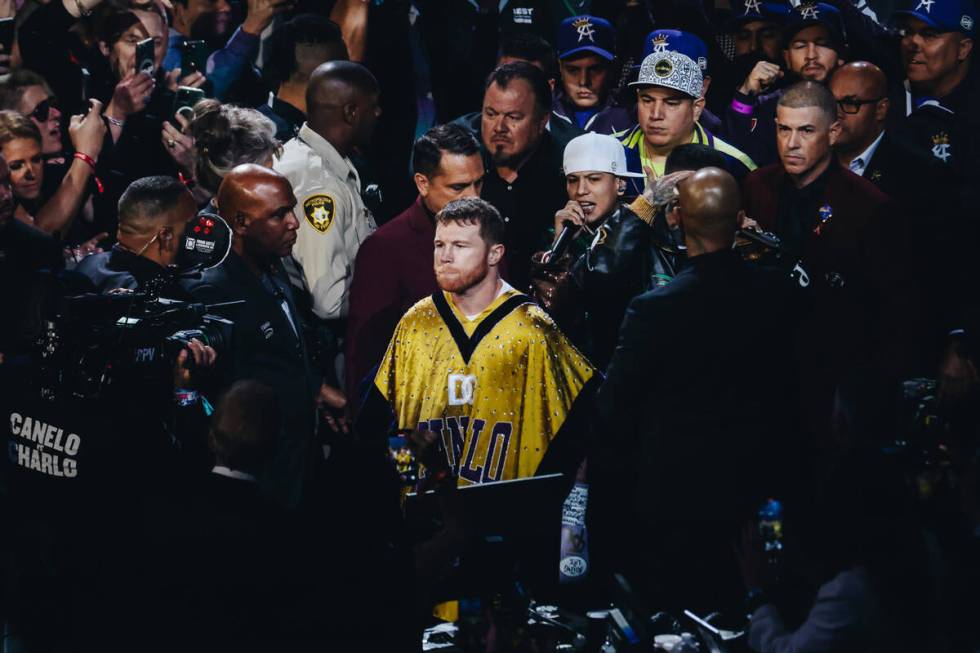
(268, 340)
(153, 212)
(99, 420)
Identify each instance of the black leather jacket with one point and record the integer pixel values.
(627, 257)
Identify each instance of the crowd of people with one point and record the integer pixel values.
(700, 258)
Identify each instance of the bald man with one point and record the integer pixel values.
(921, 184)
(694, 413)
(342, 110)
(153, 212)
(267, 342)
(868, 149)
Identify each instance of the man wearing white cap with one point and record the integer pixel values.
(608, 254)
(669, 91)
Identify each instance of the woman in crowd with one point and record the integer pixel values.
(218, 138)
(21, 144)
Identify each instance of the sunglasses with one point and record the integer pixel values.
(43, 109)
(852, 105)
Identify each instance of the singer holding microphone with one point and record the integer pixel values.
(603, 254)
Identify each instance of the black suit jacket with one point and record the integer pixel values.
(697, 428)
(942, 232)
(265, 347)
(226, 567)
(697, 395)
(900, 171)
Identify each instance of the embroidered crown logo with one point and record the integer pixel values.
(940, 146)
(810, 12)
(585, 28)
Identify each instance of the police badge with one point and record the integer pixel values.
(319, 211)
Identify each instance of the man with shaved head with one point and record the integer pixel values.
(868, 149)
(267, 340)
(861, 92)
(848, 241)
(696, 419)
(342, 110)
(887, 158)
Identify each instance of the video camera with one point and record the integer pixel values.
(92, 342)
(86, 343)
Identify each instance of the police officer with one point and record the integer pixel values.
(342, 109)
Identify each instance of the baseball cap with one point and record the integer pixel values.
(593, 152)
(815, 13)
(675, 40)
(671, 70)
(746, 11)
(586, 34)
(943, 15)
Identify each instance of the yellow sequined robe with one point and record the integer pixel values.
(499, 388)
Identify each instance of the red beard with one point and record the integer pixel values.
(459, 281)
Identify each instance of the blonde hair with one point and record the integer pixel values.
(14, 126)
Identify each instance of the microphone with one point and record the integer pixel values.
(563, 241)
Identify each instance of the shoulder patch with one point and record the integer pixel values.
(319, 211)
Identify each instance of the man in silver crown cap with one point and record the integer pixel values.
(670, 98)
